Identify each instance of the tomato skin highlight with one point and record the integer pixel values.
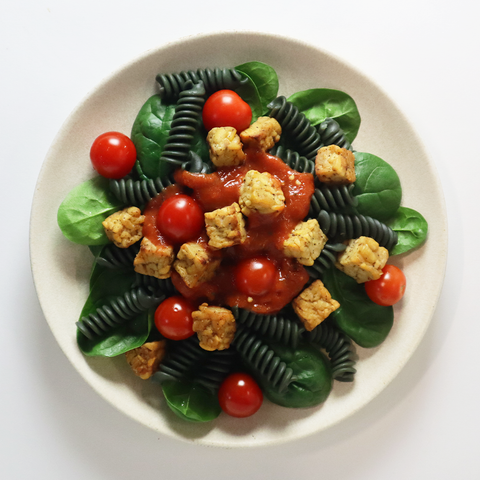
(113, 155)
(240, 396)
(226, 108)
(255, 276)
(180, 218)
(389, 288)
(173, 318)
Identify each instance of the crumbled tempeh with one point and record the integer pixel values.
(305, 243)
(154, 260)
(314, 305)
(215, 327)
(144, 360)
(225, 147)
(261, 193)
(335, 165)
(124, 228)
(363, 259)
(225, 226)
(264, 133)
(195, 264)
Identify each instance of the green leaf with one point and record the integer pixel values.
(191, 402)
(365, 322)
(149, 135)
(262, 88)
(377, 187)
(411, 227)
(81, 214)
(313, 377)
(318, 104)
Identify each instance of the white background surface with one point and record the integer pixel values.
(424, 425)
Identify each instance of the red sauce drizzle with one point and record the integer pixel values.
(265, 233)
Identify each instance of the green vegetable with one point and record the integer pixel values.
(109, 284)
(411, 228)
(81, 214)
(262, 88)
(377, 187)
(365, 322)
(191, 402)
(313, 377)
(318, 104)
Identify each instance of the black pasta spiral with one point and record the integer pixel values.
(332, 134)
(153, 284)
(326, 260)
(332, 198)
(262, 358)
(117, 312)
(345, 227)
(180, 363)
(275, 327)
(338, 347)
(293, 159)
(186, 119)
(114, 257)
(216, 368)
(138, 192)
(297, 126)
(213, 79)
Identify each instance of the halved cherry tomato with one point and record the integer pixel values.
(255, 276)
(173, 318)
(180, 218)
(389, 288)
(226, 108)
(240, 396)
(113, 155)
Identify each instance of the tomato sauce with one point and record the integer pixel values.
(265, 233)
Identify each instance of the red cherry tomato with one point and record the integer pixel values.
(113, 155)
(226, 108)
(240, 396)
(180, 218)
(389, 288)
(173, 318)
(255, 276)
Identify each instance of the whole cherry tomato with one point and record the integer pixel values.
(113, 155)
(255, 276)
(173, 318)
(226, 108)
(240, 396)
(180, 218)
(389, 288)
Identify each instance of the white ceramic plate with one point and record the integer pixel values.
(61, 268)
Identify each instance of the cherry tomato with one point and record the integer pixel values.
(113, 155)
(240, 396)
(255, 276)
(389, 288)
(226, 108)
(173, 318)
(180, 218)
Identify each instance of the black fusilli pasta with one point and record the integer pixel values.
(332, 134)
(115, 257)
(293, 159)
(153, 284)
(117, 312)
(338, 347)
(217, 367)
(138, 192)
(345, 227)
(213, 79)
(325, 261)
(297, 126)
(332, 198)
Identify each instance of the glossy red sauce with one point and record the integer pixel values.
(265, 233)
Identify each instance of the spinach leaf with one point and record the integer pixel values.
(377, 187)
(149, 135)
(365, 322)
(262, 88)
(108, 285)
(317, 104)
(313, 377)
(411, 227)
(86, 206)
(191, 402)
